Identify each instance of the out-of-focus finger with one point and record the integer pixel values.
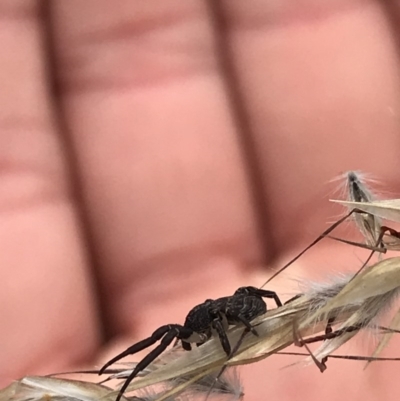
(321, 88)
(42, 260)
(164, 178)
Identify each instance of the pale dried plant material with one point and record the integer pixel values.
(182, 388)
(210, 357)
(311, 311)
(228, 384)
(275, 331)
(371, 211)
(358, 190)
(374, 290)
(228, 387)
(37, 388)
(367, 213)
(388, 209)
(362, 299)
(189, 370)
(358, 358)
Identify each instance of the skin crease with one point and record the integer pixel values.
(155, 154)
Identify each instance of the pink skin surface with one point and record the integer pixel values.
(157, 153)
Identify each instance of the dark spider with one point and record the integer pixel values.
(204, 320)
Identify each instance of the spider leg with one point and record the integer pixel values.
(269, 294)
(232, 353)
(186, 346)
(139, 346)
(223, 338)
(248, 325)
(173, 332)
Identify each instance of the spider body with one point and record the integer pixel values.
(247, 303)
(210, 318)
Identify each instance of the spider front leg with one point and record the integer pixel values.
(139, 346)
(166, 334)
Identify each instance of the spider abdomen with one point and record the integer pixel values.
(247, 307)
